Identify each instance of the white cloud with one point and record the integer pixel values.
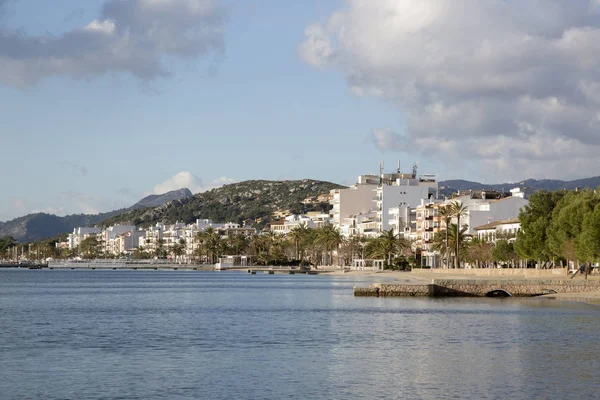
(511, 85)
(128, 36)
(186, 179)
(387, 140)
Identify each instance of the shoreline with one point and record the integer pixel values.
(406, 278)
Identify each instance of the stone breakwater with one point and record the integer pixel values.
(477, 288)
(394, 290)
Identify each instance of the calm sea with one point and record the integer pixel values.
(230, 335)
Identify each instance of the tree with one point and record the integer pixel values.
(454, 244)
(458, 211)
(353, 248)
(178, 249)
(298, 236)
(479, 252)
(6, 242)
(504, 252)
(237, 244)
(567, 221)
(446, 213)
(329, 237)
(90, 247)
(386, 246)
(588, 246)
(213, 244)
(159, 250)
(535, 217)
(140, 253)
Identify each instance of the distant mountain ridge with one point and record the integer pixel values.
(33, 227)
(528, 186)
(256, 200)
(155, 200)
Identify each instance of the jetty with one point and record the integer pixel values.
(173, 266)
(478, 283)
(126, 264)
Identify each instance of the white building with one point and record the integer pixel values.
(499, 229)
(354, 200)
(364, 224)
(79, 234)
(127, 242)
(402, 193)
(481, 212)
(290, 222)
(390, 196)
(107, 237)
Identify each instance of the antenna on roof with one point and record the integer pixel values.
(399, 166)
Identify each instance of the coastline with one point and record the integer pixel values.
(402, 277)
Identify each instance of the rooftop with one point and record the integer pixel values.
(494, 224)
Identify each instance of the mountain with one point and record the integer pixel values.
(39, 226)
(256, 200)
(155, 200)
(528, 186)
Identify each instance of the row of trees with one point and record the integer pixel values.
(477, 252)
(324, 245)
(11, 250)
(558, 227)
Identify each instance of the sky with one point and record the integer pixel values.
(106, 101)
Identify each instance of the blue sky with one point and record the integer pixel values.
(279, 93)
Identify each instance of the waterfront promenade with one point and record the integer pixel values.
(491, 282)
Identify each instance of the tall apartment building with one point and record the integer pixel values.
(355, 200)
(402, 192)
(107, 237)
(390, 196)
(79, 234)
(428, 224)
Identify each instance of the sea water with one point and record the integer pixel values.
(231, 335)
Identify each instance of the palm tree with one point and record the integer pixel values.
(199, 240)
(213, 243)
(329, 237)
(446, 213)
(386, 246)
(158, 251)
(178, 248)
(237, 244)
(298, 235)
(311, 245)
(391, 244)
(458, 210)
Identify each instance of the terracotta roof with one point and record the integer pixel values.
(279, 222)
(494, 224)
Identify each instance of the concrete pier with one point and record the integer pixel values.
(479, 288)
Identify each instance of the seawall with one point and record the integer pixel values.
(493, 272)
(478, 288)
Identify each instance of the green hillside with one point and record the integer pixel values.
(256, 200)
